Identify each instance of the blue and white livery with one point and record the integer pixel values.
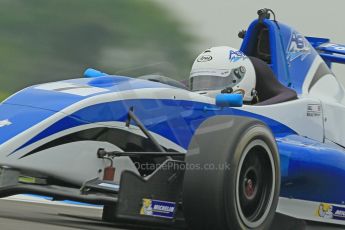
(55, 129)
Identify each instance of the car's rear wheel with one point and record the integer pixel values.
(108, 214)
(241, 190)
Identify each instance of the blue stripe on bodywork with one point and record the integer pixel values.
(311, 170)
(57, 100)
(175, 120)
(21, 119)
(31, 106)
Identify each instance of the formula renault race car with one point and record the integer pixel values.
(153, 152)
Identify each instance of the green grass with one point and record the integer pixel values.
(42, 41)
(3, 96)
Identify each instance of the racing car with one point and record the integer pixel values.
(151, 151)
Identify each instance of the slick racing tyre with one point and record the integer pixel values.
(232, 177)
(108, 214)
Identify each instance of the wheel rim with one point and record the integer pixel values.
(255, 184)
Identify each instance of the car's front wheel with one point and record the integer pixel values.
(232, 179)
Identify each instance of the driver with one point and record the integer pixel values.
(224, 70)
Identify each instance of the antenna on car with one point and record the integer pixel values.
(265, 14)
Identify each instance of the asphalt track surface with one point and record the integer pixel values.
(18, 215)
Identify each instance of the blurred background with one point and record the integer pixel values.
(48, 40)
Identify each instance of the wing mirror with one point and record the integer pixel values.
(93, 73)
(229, 100)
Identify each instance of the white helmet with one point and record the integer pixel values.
(223, 70)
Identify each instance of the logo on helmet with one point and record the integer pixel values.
(204, 58)
(236, 56)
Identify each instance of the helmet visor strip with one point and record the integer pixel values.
(216, 79)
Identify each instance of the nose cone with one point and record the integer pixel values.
(16, 120)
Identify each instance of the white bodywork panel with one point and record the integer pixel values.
(306, 210)
(77, 162)
(332, 94)
(335, 122)
(303, 116)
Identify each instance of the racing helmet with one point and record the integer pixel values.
(223, 70)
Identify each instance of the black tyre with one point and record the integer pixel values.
(232, 179)
(108, 214)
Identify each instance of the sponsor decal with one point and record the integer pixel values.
(298, 48)
(313, 110)
(336, 47)
(236, 56)
(204, 58)
(329, 211)
(4, 123)
(158, 208)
